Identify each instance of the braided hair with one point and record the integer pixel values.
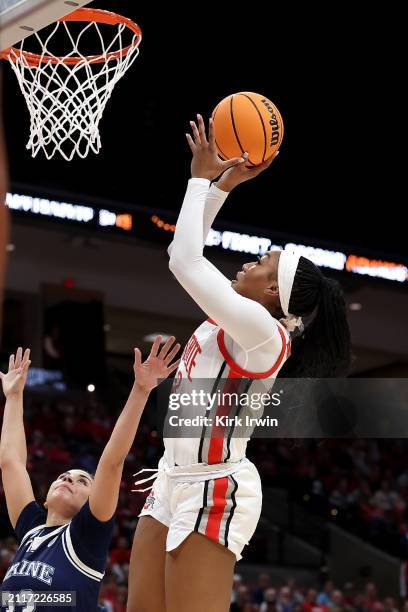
(323, 349)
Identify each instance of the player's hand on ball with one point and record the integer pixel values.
(14, 381)
(206, 163)
(241, 173)
(158, 365)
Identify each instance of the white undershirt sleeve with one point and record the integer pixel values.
(247, 322)
(213, 204)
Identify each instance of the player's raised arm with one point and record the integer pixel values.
(13, 447)
(246, 321)
(159, 365)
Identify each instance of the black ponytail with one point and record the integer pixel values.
(323, 350)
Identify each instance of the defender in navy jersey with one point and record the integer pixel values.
(280, 316)
(63, 546)
(59, 558)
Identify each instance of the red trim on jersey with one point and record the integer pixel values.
(217, 509)
(240, 371)
(216, 446)
(209, 320)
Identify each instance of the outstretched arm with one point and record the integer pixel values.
(105, 489)
(245, 320)
(13, 448)
(213, 203)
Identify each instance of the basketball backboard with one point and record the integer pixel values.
(20, 18)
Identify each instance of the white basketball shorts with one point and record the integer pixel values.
(226, 509)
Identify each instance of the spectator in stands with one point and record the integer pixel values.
(295, 594)
(121, 599)
(349, 594)
(264, 581)
(310, 604)
(340, 497)
(109, 592)
(402, 480)
(337, 602)
(387, 500)
(389, 605)
(360, 499)
(269, 604)
(120, 554)
(285, 602)
(325, 598)
(6, 557)
(104, 606)
(370, 601)
(243, 597)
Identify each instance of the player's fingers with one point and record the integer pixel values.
(155, 346)
(138, 358)
(191, 143)
(196, 133)
(19, 354)
(211, 133)
(166, 347)
(174, 366)
(234, 161)
(201, 129)
(172, 354)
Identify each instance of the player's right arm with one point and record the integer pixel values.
(213, 204)
(246, 321)
(13, 447)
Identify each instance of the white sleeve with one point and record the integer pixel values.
(213, 204)
(247, 322)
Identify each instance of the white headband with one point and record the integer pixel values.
(288, 263)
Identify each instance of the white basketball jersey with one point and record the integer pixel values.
(206, 362)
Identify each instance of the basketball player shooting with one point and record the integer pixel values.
(65, 546)
(206, 499)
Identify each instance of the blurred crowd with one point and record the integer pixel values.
(362, 485)
(290, 597)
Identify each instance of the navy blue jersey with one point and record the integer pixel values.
(71, 557)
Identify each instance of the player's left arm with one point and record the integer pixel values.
(13, 447)
(246, 321)
(105, 489)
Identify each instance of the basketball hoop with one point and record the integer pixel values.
(67, 94)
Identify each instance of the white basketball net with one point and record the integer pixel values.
(66, 102)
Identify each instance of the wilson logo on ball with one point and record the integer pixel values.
(273, 122)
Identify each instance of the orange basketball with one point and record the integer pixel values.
(249, 122)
